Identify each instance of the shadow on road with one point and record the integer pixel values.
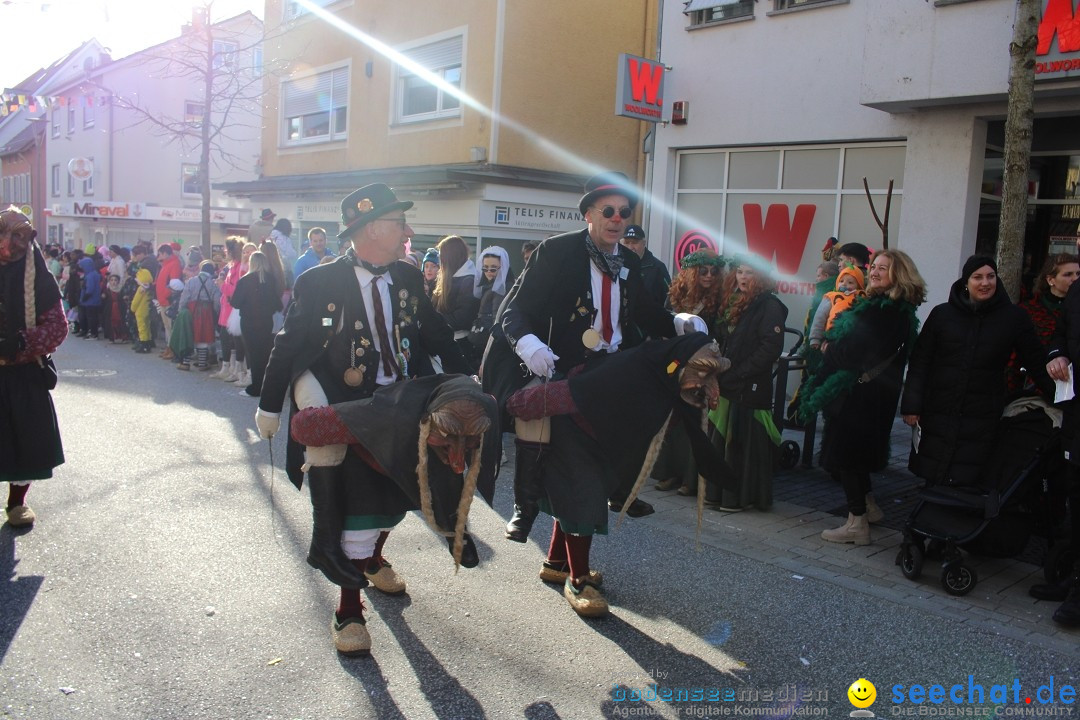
(368, 672)
(447, 696)
(16, 593)
(542, 710)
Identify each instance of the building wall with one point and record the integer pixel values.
(933, 75)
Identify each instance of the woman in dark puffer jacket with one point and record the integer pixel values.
(955, 388)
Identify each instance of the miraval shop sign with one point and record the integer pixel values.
(1058, 52)
(139, 211)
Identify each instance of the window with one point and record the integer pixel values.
(56, 122)
(5, 190)
(295, 9)
(224, 54)
(702, 12)
(194, 113)
(71, 185)
(315, 108)
(257, 60)
(88, 114)
(419, 100)
(789, 4)
(71, 119)
(88, 183)
(190, 183)
(55, 181)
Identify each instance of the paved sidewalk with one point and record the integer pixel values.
(807, 501)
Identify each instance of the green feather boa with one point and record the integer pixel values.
(819, 391)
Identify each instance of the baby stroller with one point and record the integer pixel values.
(996, 517)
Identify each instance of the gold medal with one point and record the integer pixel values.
(354, 377)
(590, 339)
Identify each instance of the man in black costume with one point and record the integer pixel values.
(580, 296)
(358, 323)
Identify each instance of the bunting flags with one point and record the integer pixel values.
(11, 102)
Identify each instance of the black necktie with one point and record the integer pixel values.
(390, 367)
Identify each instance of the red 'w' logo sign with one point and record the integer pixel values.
(645, 80)
(777, 236)
(1059, 18)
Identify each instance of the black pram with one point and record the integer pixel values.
(996, 517)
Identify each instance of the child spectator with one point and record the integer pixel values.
(850, 284)
(89, 299)
(115, 314)
(140, 308)
(202, 298)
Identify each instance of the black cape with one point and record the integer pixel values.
(387, 424)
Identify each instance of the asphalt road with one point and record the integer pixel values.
(166, 579)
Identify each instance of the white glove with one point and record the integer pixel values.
(688, 323)
(537, 356)
(157, 305)
(267, 422)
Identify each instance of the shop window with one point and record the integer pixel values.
(702, 171)
(419, 100)
(810, 169)
(754, 170)
(315, 108)
(705, 12)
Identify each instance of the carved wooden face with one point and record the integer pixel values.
(16, 232)
(698, 379)
(456, 428)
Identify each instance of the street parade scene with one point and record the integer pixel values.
(357, 360)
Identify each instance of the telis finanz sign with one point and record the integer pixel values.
(640, 89)
(1058, 52)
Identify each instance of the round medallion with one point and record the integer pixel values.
(359, 352)
(590, 339)
(354, 377)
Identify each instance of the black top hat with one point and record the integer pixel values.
(608, 183)
(634, 232)
(267, 214)
(366, 204)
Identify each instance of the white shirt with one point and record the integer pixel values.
(365, 278)
(597, 279)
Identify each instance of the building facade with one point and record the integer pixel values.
(791, 104)
(504, 163)
(123, 150)
(23, 119)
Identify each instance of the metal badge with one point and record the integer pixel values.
(590, 339)
(403, 294)
(359, 326)
(354, 377)
(359, 352)
(328, 322)
(331, 307)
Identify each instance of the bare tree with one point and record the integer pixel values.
(1018, 131)
(209, 58)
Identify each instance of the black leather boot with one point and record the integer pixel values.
(470, 558)
(327, 522)
(527, 492)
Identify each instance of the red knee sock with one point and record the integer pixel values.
(350, 605)
(16, 495)
(373, 563)
(557, 549)
(577, 554)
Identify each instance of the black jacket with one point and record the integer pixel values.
(753, 346)
(553, 295)
(462, 305)
(1066, 343)
(956, 381)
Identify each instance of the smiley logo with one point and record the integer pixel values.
(862, 693)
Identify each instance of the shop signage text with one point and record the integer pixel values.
(1061, 20)
(139, 211)
(530, 217)
(639, 92)
(779, 236)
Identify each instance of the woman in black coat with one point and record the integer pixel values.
(955, 391)
(453, 295)
(257, 296)
(750, 330)
(858, 384)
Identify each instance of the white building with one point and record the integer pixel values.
(116, 177)
(791, 103)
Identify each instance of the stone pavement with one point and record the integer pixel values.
(807, 501)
